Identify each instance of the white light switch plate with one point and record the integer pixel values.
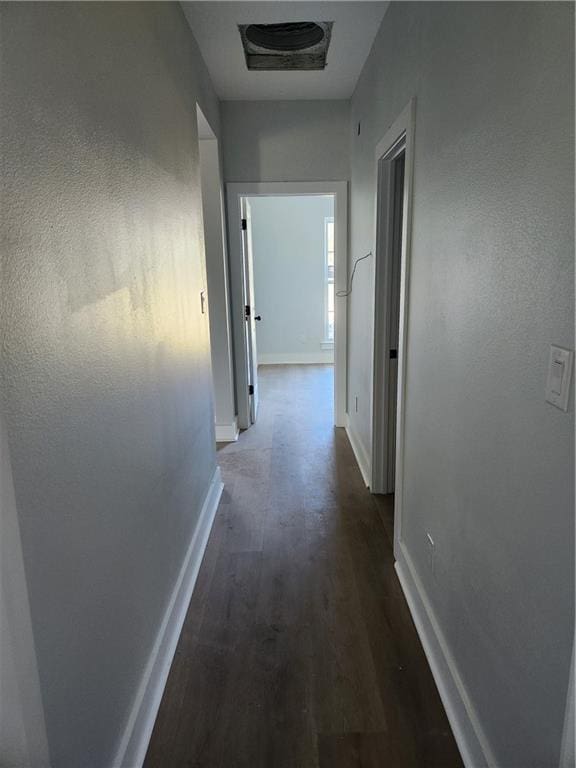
(559, 377)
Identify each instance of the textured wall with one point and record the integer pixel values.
(285, 140)
(289, 277)
(488, 463)
(105, 368)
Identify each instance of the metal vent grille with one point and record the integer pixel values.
(301, 45)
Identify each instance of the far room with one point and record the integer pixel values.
(291, 281)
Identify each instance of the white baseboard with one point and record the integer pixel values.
(138, 731)
(470, 738)
(227, 433)
(568, 751)
(362, 458)
(312, 358)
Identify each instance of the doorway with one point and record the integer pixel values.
(387, 310)
(394, 158)
(287, 262)
(289, 270)
(215, 299)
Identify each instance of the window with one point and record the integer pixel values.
(329, 280)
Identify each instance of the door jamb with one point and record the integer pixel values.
(402, 130)
(382, 315)
(235, 191)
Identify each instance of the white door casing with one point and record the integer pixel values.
(399, 135)
(236, 191)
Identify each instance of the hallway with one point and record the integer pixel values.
(298, 650)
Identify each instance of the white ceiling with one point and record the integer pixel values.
(215, 27)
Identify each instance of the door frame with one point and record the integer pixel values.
(401, 132)
(234, 192)
(384, 265)
(251, 349)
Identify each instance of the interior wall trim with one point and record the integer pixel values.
(470, 737)
(227, 433)
(361, 454)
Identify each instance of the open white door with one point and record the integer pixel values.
(249, 310)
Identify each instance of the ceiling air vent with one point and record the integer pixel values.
(294, 45)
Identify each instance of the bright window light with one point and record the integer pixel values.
(329, 279)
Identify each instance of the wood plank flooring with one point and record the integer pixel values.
(298, 650)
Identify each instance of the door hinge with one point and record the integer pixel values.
(250, 389)
(246, 311)
(393, 354)
(244, 224)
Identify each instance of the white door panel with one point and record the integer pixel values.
(250, 310)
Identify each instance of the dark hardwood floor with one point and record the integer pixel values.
(298, 650)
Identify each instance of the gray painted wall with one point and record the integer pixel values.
(22, 728)
(285, 140)
(289, 277)
(217, 277)
(488, 463)
(105, 370)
